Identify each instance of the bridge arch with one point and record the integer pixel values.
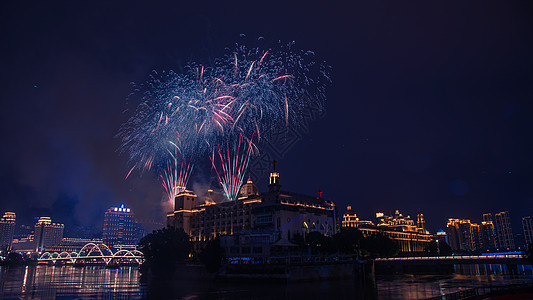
(91, 248)
(128, 253)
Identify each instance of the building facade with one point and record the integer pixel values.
(504, 231)
(7, 229)
(488, 242)
(420, 221)
(47, 233)
(119, 227)
(527, 226)
(409, 237)
(460, 235)
(283, 213)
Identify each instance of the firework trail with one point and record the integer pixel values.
(242, 94)
(233, 162)
(176, 175)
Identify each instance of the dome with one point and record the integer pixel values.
(249, 189)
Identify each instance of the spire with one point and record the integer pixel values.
(274, 179)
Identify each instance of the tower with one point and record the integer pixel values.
(185, 200)
(420, 221)
(249, 189)
(7, 228)
(527, 225)
(504, 231)
(119, 226)
(273, 185)
(47, 233)
(459, 233)
(487, 217)
(185, 203)
(488, 237)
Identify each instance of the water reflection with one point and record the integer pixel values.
(49, 282)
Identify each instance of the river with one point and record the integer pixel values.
(96, 282)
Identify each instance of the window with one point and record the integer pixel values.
(264, 219)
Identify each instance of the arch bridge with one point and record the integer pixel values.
(93, 253)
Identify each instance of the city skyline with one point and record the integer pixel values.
(124, 214)
(422, 110)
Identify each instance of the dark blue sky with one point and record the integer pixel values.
(430, 107)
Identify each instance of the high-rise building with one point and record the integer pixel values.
(460, 235)
(476, 236)
(7, 229)
(527, 226)
(47, 233)
(504, 231)
(487, 217)
(119, 226)
(488, 241)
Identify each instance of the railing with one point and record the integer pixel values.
(454, 258)
(484, 291)
(293, 260)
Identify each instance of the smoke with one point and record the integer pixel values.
(166, 206)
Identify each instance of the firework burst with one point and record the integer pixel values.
(190, 114)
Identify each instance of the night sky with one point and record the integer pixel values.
(430, 106)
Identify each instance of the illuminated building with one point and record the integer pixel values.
(248, 189)
(421, 222)
(350, 219)
(396, 222)
(504, 231)
(7, 229)
(119, 227)
(24, 244)
(397, 227)
(460, 235)
(441, 236)
(47, 233)
(487, 217)
(527, 226)
(275, 211)
(488, 241)
(476, 236)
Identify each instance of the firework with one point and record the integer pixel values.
(232, 165)
(240, 96)
(176, 175)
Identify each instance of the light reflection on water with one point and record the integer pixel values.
(49, 282)
(67, 282)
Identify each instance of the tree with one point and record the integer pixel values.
(212, 255)
(319, 243)
(443, 249)
(379, 245)
(348, 240)
(165, 248)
